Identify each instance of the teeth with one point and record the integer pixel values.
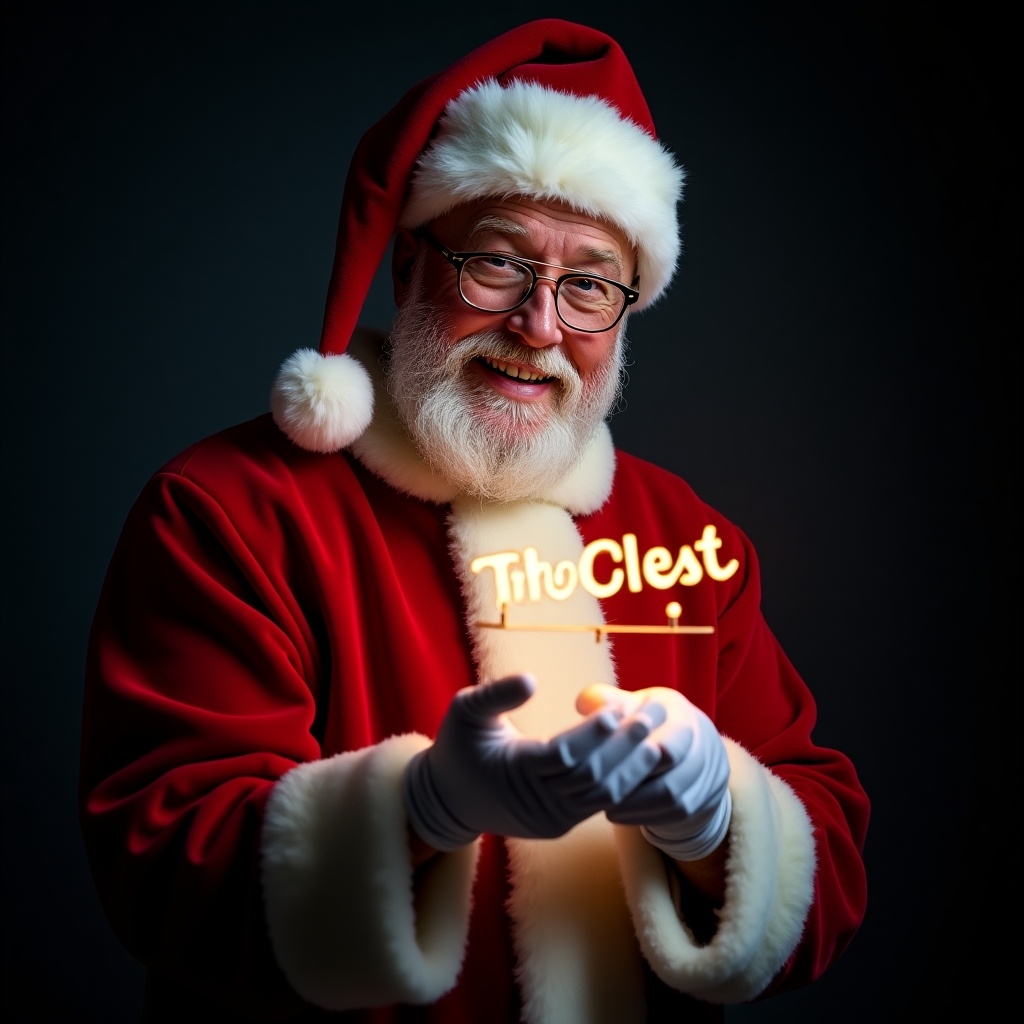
(514, 371)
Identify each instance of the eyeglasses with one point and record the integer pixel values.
(495, 282)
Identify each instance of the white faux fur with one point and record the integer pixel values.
(578, 960)
(321, 402)
(770, 881)
(338, 886)
(529, 140)
(562, 663)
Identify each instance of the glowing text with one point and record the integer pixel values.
(525, 577)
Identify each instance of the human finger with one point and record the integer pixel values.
(488, 700)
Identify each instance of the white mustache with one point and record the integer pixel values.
(488, 444)
(550, 361)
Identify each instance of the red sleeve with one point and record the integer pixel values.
(196, 702)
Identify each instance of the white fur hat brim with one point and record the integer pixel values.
(526, 139)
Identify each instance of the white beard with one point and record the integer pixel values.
(489, 446)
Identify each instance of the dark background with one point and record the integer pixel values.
(836, 368)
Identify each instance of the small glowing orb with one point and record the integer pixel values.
(673, 609)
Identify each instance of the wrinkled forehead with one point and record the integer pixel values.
(514, 222)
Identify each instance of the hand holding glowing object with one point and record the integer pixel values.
(684, 805)
(482, 775)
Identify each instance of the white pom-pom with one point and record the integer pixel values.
(322, 403)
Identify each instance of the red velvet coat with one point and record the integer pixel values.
(278, 633)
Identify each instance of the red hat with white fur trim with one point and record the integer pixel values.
(549, 110)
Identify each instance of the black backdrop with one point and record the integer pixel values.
(836, 369)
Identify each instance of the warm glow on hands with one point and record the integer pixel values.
(684, 805)
(601, 695)
(482, 775)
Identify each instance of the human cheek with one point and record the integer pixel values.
(591, 354)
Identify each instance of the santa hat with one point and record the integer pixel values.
(548, 110)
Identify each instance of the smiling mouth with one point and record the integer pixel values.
(513, 372)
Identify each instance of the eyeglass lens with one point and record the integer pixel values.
(497, 284)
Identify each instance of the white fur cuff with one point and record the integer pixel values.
(769, 886)
(338, 885)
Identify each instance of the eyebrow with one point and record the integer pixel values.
(503, 226)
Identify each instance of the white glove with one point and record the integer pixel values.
(684, 806)
(482, 775)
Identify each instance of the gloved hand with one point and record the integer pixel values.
(684, 806)
(482, 775)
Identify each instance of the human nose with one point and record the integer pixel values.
(536, 320)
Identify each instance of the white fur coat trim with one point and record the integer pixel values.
(770, 879)
(578, 962)
(338, 885)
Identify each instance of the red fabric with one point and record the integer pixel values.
(551, 52)
(267, 606)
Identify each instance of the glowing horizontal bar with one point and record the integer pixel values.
(598, 630)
